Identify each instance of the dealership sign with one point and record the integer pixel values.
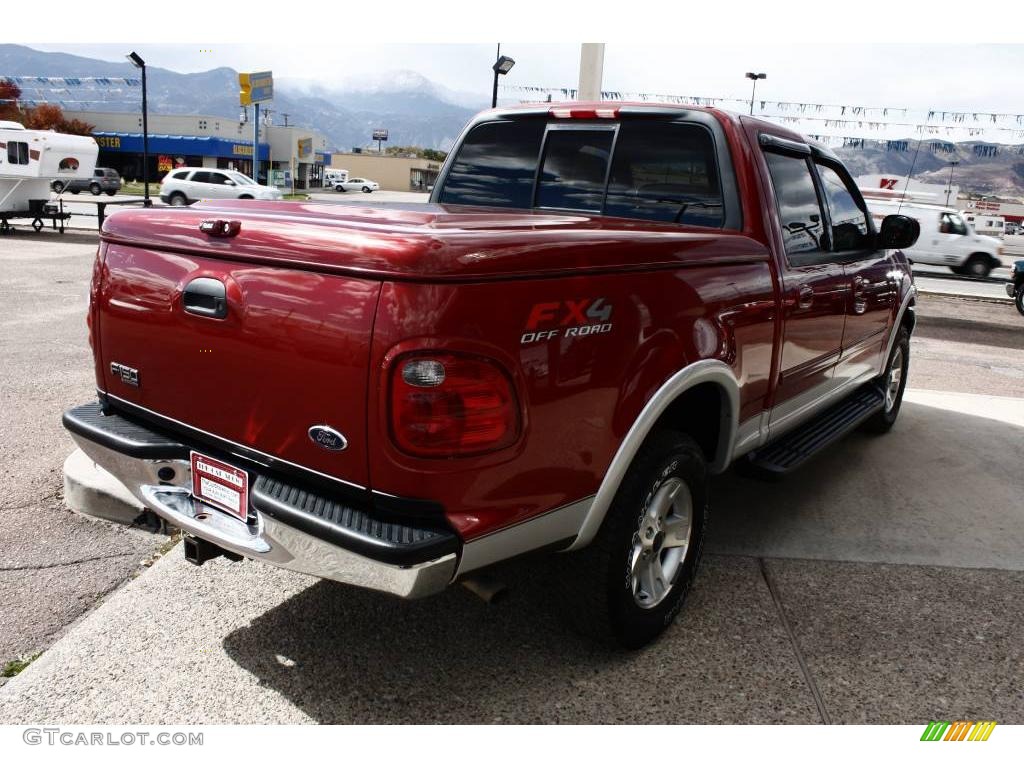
(380, 134)
(305, 148)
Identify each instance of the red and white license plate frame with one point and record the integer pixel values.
(220, 485)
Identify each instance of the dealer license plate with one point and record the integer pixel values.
(220, 485)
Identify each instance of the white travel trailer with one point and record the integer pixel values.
(32, 160)
(334, 176)
(985, 223)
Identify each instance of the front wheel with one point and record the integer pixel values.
(892, 383)
(633, 579)
(1018, 299)
(57, 187)
(111, 192)
(178, 199)
(979, 265)
(95, 188)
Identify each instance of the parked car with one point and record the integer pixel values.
(946, 238)
(185, 186)
(1015, 288)
(102, 180)
(356, 185)
(679, 288)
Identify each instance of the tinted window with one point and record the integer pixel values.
(218, 178)
(203, 177)
(799, 212)
(574, 169)
(496, 165)
(849, 221)
(17, 152)
(665, 172)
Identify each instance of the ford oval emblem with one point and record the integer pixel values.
(328, 438)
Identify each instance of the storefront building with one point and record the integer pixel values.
(207, 141)
(396, 174)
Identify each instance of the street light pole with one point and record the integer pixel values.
(502, 65)
(135, 59)
(755, 76)
(949, 186)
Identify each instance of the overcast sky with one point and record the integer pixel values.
(921, 77)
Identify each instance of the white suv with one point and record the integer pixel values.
(184, 186)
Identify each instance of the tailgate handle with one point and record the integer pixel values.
(207, 297)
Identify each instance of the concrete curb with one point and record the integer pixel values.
(91, 490)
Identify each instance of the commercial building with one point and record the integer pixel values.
(296, 154)
(393, 173)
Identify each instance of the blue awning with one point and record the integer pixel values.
(165, 144)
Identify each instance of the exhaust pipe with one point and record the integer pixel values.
(198, 551)
(489, 590)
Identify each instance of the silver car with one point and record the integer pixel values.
(184, 186)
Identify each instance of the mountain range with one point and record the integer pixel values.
(419, 112)
(416, 111)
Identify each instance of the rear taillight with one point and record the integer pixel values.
(445, 405)
(584, 113)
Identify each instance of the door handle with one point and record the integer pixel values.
(860, 298)
(806, 297)
(206, 297)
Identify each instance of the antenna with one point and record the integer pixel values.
(913, 164)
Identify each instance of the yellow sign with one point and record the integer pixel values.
(241, 149)
(254, 87)
(305, 148)
(111, 142)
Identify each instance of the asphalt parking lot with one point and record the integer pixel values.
(884, 583)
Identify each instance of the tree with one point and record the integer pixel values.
(9, 95)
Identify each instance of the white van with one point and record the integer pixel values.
(333, 177)
(946, 239)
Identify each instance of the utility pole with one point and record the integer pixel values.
(591, 72)
(285, 116)
(755, 76)
(949, 186)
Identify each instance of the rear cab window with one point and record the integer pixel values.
(666, 169)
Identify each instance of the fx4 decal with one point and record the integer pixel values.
(570, 318)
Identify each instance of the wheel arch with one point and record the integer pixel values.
(707, 387)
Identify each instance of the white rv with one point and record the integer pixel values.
(946, 239)
(333, 177)
(985, 223)
(32, 160)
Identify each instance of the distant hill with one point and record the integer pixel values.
(412, 108)
(1000, 174)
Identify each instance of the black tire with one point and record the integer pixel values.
(111, 192)
(599, 577)
(73, 191)
(882, 421)
(95, 188)
(339, 188)
(57, 187)
(245, 197)
(367, 190)
(979, 265)
(177, 199)
(1018, 299)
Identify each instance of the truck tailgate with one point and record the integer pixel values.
(290, 353)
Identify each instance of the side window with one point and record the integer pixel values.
(951, 224)
(202, 177)
(218, 178)
(849, 221)
(17, 152)
(665, 172)
(496, 165)
(574, 169)
(799, 210)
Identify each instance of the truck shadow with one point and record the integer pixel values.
(938, 488)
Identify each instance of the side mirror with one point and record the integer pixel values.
(229, 182)
(898, 232)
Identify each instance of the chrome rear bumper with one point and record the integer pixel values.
(269, 539)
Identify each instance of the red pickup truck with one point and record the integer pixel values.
(600, 305)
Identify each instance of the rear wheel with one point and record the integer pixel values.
(73, 191)
(1018, 299)
(367, 190)
(178, 199)
(339, 188)
(95, 188)
(893, 382)
(245, 197)
(111, 192)
(632, 580)
(57, 187)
